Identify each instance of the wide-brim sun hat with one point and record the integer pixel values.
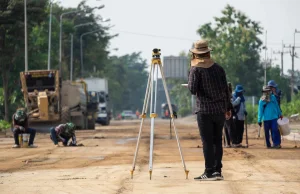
(272, 83)
(200, 47)
(266, 89)
(239, 88)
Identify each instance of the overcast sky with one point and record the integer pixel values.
(176, 23)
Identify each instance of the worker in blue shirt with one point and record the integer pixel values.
(269, 112)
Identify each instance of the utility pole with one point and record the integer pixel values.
(281, 55)
(293, 55)
(49, 42)
(266, 60)
(26, 40)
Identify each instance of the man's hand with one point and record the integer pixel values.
(22, 128)
(228, 115)
(63, 140)
(175, 114)
(281, 117)
(260, 124)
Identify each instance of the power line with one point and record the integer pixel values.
(153, 35)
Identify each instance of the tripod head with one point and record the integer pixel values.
(156, 53)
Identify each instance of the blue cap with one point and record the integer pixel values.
(239, 88)
(272, 83)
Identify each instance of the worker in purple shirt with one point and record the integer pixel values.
(63, 133)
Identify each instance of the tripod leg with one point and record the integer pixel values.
(172, 116)
(143, 116)
(152, 117)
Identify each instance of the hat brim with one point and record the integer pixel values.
(239, 90)
(274, 86)
(204, 63)
(196, 51)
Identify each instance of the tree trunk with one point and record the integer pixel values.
(5, 77)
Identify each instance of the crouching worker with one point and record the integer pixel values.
(20, 126)
(269, 112)
(63, 133)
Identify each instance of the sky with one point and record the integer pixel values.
(171, 25)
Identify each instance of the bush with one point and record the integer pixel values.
(4, 125)
(252, 113)
(184, 112)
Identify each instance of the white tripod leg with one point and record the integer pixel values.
(143, 116)
(152, 117)
(173, 122)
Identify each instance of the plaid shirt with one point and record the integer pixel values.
(210, 87)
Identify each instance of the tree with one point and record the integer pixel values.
(12, 39)
(127, 79)
(236, 46)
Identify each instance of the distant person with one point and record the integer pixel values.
(63, 133)
(137, 113)
(269, 112)
(20, 126)
(229, 126)
(239, 115)
(275, 91)
(207, 80)
(167, 115)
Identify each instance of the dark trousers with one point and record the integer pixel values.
(239, 124)
(230, 131)
(227, 135)
(54, 138)
(276, 137)
(17, 131)
(210, 127)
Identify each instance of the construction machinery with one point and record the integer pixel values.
(98, 94)
(51, 101)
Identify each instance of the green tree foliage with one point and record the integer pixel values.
(180, 95)
(234, 39)
(12, 40)
(127, 75)
(127, 80)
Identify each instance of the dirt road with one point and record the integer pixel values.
(103, 164)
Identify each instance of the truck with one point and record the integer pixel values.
(51, 101)
(98, 93)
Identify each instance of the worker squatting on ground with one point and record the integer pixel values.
(269, 112)
(20, 126)
(240, 112)
(63, 133)
(207, 80)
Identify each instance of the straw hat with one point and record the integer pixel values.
(200, 47)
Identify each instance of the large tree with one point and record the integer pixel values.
(12, 39)
(236, 46)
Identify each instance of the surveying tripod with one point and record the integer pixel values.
(155, 65)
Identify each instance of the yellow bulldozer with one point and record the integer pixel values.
(50, 101)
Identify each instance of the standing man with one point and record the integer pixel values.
(239, 114)
(269, 112)
(207, 80)
(20, 126)
(275, 91)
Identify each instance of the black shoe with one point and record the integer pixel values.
(218, 175)
(206, 176)
(276, 147)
